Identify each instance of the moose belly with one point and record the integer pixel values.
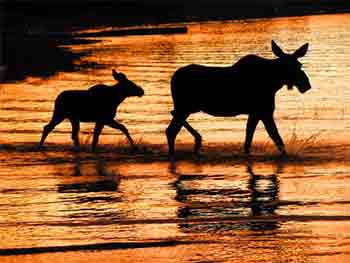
(232, 105)
(89, 113)
(224, 111)
(224, 107)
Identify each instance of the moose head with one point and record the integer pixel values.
(293, 74)
(130, 89)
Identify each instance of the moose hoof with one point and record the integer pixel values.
(197, 152)
(284, 155)
(246, 151)
(41, 147)
(172, 158)
(77, 149)
(134, 150)
(93, 149)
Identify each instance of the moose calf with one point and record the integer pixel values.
(98, 104)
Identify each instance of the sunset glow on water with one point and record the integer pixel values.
(223, 207)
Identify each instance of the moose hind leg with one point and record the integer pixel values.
(172, 131)
(251, 126)
(116, 125)
(75, 132)
(196, 135)
(272, 130)
(97, 131)
(49, 127)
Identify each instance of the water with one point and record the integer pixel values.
(222, 207)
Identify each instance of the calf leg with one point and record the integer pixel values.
(251, 126)
(196, 135)
(116, 125)
(97, 131)
(56, 119)
(75, 132)
(173, 129)
(271, 128)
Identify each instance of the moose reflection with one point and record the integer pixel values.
(201, 199)
(91, 192)
(98, 104)
(247, 87)
(108, 181)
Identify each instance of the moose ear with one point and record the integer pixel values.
(114, 74)
(276, 49)
(300, 52)
(118, 76)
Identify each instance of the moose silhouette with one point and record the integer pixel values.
(98, 104)
(247, 87)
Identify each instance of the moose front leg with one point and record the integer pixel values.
(251, 126)
(271, 128)
(75, 132)
(97, 132)
(116, 125)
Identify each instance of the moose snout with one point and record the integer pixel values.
(140, 92)
(302, 82)
(305, 88)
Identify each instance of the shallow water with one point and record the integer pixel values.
(222, 207)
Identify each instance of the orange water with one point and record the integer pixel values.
(210, 206)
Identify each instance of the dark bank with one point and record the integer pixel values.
(34, 32)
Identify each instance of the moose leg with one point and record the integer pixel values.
(49, 127)
(271, 128)
(97, 132)
(196, 135)
(173, 129)
(251, 126)
(75, 132)
(116, 125)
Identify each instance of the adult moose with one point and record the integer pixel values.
(98, 104)
(247, 87)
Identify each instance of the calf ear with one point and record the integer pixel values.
(276, 49)
(300, 52)
(118, 76)
(115, 74)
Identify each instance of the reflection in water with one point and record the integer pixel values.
(98, 191)
(204, 198)
(264, 196)
(109, 182)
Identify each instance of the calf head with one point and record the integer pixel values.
(291, 68)
(128, 88)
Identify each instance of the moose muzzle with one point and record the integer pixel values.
(302, 82)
